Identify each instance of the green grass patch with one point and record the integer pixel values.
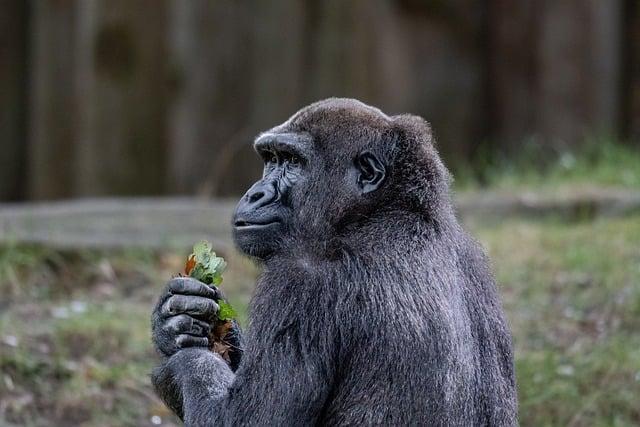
(572, 295)
(598, 162)
(75, 344)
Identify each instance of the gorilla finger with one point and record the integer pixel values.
(185, 341)
(185, 324)
(220, 294)
(158, 308)
(188, 304)
(191, 286)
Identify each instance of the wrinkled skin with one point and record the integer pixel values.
(374, 306)
(184, 312)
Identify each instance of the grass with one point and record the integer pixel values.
(600, 161)
(75, 347)
(74, 334)
(572, 294)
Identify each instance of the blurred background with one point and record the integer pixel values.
(125, 136)
(163, 97)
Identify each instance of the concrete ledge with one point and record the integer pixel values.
(155, 223)
(569, 204)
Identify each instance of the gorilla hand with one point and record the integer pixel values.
(182, 318)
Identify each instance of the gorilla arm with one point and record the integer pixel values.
(284, 378)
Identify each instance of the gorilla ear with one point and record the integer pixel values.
(371, 172)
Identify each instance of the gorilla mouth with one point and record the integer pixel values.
(244, 224)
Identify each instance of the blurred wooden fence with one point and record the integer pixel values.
(125, 97)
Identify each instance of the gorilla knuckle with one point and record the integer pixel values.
(213, 307)
(178, 284)
(205, 306)
(185, 341)
(189, 304)
(191, 286)
(176, 324)
(185, 324)
(175, 284)
(175, 304)
(197, 330)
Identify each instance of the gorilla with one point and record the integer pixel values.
(374, 307)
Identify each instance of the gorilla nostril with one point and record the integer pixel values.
(256, 196)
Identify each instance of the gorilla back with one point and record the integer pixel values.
(374, 306)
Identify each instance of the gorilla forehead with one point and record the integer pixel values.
(338, 121)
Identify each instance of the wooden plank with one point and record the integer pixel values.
(52, 107)
(554, 70)
(631, 82)
(13, 58)
(349, 56)
(210, 126)
(122, 80)
(444, 80)
(512, 75)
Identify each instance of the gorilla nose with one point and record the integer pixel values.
(261, 194)
(256, 196)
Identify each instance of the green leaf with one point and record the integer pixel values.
(202, 252)
(226, 312)
(208, 269)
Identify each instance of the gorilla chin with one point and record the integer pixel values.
(257, 240)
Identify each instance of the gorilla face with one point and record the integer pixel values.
(265, 215)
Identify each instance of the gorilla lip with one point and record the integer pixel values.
(248, 225)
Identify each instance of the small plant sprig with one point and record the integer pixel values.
(204, 265)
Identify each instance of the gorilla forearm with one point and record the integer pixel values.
(193, 383)
(280, 385)
(178, 323)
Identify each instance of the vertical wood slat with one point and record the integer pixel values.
(445, 80)
(554, 70)
(51, 134)
(351, 56)
(13, 57)
(209, 123)
(579, 70)
(512, 69)
(631, 82)
(122, 80)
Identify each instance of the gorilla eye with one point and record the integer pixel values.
(295, 160)
(272, 158)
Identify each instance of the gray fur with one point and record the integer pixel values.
(374, 311)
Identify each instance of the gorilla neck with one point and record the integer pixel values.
(405, 227)
(358, 236)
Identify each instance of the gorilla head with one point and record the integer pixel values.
(334, 165)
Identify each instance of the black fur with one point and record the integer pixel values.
(375, 308)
